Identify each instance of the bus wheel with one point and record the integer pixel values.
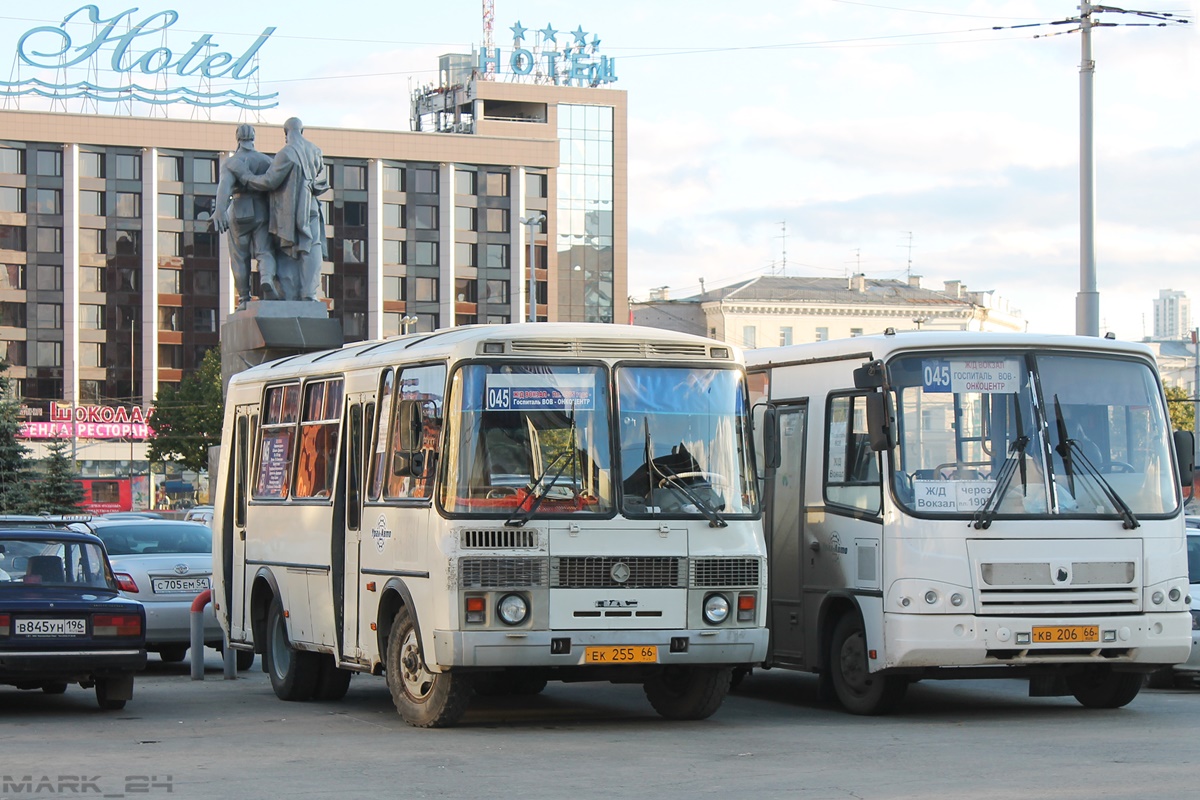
(1100, 687)
(293, 672)
(332, 681)
(688, 692)
(424, 699)
(856, 688)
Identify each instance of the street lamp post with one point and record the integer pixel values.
(532, 222)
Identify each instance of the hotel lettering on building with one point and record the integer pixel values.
(113, 282)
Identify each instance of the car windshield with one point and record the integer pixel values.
(977, 430)
(684, 442)
(166, 537)
(1194, 564)
(528, 439)
(49, 562)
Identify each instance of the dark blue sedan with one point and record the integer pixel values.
(63, 619)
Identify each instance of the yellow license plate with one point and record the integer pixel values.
(638, 654)
(1065, 634)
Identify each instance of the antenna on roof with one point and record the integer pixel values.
(908, 269)
(783, 266)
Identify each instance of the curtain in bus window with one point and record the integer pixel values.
(317, 451)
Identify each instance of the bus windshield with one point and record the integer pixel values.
(684, 442)
(528, 439)
(977, 430)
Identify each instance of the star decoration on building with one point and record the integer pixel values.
(518, 31)
(549, 33)
(580, 36)
(595, 42)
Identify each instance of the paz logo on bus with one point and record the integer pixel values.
(381, 533)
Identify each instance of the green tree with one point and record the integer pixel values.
(1181, 407)
(15, 478)
(57, 492)
(187, 421)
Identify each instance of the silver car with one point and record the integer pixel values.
(1190, 670)
(165, 564)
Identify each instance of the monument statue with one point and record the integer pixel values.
(244, 214)
(293, 181)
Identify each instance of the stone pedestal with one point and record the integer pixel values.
(263, 331)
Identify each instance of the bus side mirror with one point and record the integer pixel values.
(1185, 451)
(766, 433)
(879, 422)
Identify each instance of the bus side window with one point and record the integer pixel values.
(378, 453)
(275, 448)
(317, 453)
(416, 432)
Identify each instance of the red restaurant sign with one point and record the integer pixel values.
(89, 422)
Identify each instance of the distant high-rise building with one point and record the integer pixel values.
(1172, 315)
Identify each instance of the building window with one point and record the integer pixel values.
(49, 316)
(393, 179)
(12, 161)
(497, 220)
(170, 356)
(497, 292)
(129, 204)
(393, 215)
(464, 254)
(12, 276)
(354, 177)
(12, 199)
(535, 184)
(91, 204)
(466, 290)
(129, 243)
(12, 315)
(749, 336)
(170, 206)
(391, 324)
(464, 218)
(204, 170)
(50, 240)
(202, 207)
(497, 319)
(393, 251)
(170, 244)
(822, 334)
(170, 281)
(168, 316)
(393, 287)
(425, 254)
(856, 332)
(128, 167)
(464, 181)
(15, 353)
(204, 320)
(496, 256)
(785, 336)
(91, 317)
(91, 241)
(354, 251)
(12, 237)
(91, 354)
(49, 163)
(425, 181)
(91, 279)
(206, 282)
(49, 278)
(170, 168)
(497, 184)
(49, 201)
(204, 244)
(426, 290)
(354, 214)
(425, 217)
(91, 165)
(49, 354)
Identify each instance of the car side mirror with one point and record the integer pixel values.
(1185, 452)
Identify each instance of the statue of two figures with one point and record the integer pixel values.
(269, 208)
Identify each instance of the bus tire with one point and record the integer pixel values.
(332, 681)
(424, 699)
(859, 691)
(1101, 687)
(688, 692)
(293, 672)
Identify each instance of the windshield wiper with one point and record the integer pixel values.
(1016, 457)
(536, 489)
(1069, 449)
(675, 482)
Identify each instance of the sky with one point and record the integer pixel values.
(816, 138)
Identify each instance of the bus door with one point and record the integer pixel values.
(785, 538)
(346, 534)
(234, 547)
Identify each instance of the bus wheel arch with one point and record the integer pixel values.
(262, 592)
(859, 690)
(294, 673)
(424, 699)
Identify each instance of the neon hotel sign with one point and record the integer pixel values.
(51, 47)
(89, 422)
(571, 65)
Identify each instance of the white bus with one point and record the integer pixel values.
(914, 531)
(485, 508)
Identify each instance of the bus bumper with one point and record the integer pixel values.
(732, 646)
(951, 640)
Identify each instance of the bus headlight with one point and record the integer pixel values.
(716, 609)
(512, 609)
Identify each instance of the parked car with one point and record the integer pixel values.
(165, 563)
(1187, 673)
(200, 514)
(63, 619)
(133, 515)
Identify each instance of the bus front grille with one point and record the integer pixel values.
(617, 572)
(501, 573)
(497, 538)
(1081, 587)
(724, 572)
